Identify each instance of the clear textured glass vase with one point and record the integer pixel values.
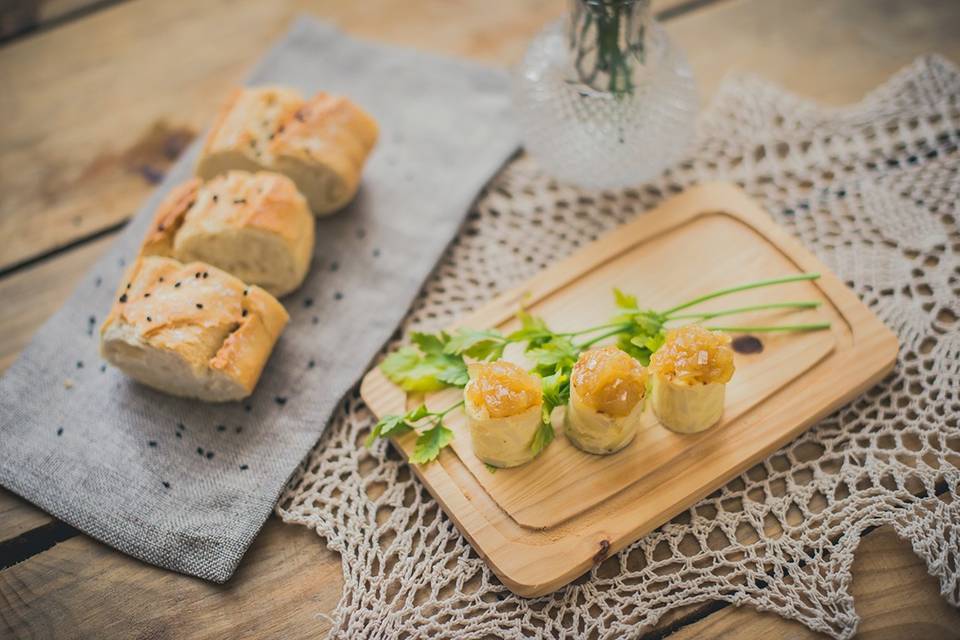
(604, 99)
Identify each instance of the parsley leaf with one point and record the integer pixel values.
(533, 330)
(482, 345)
(388, 426)
(556, 389)
(556, 354)
(427, 368)
(625, 300)
(542, 437)
(417, 414)
(430, 442)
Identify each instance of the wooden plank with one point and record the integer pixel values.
(534, 556)
(32, 295)
(83, 589)
(709, 45)
(892, 591)
(833, 52)
(19, 16)
(160, 70)
(18, 516)
(152, 68)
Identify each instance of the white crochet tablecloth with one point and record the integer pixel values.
(873, 189)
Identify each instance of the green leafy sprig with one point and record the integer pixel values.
(438, 361)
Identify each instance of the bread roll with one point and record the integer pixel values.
(321, 144)
(255, 225)
(191, 330)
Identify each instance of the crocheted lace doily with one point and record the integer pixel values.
(873, 189)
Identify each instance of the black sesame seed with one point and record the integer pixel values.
(238, 430)
(165, 484)
(308, 302)
(178, 434)
(176, 285)
(159, 227)
(280, 400)
(146, 295)
(246, 291)
(200, 451)
(243, 314)
(92, 319)
(103, 368)
(160, 279)
(334, 265)
(199, 306)
(248, 408)
(60, 431)
(152, 443)
(311, 364)
(243, 467)
(128, 285)
(181, 426)
(240, 201)
(209, 454)
(197, 274)
(338, 296)
(149, 319)
(215, 197)
(123, 298)
(206, 275)
(221, 427)
(79, 364)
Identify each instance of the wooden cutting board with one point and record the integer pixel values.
(541, 525)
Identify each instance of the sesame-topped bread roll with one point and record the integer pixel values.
(191, 329)
(321, 143)
(255, 225)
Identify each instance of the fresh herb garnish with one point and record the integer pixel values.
(436, 360)
(433, 434)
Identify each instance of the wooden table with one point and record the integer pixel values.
(99, 97)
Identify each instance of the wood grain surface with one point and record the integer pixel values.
(93, 109)
(526, 522)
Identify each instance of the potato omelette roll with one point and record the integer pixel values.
(690, 374)
(607, 389)
(503, 405)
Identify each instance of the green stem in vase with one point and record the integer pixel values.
(607, 37)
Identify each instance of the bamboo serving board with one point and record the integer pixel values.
(541, 525)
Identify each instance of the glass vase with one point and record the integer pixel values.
(604, 99)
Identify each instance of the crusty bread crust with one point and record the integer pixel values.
(321, 143)
(169, 218)
(191, 329)
(256, 226)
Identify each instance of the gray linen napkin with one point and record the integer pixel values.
(187, 485)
